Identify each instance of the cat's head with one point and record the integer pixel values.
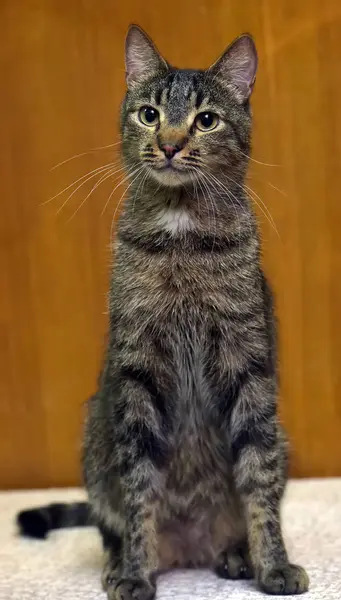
(182, 125)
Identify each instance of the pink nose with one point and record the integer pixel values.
(169, 149)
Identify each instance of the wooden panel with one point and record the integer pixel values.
(62, 79)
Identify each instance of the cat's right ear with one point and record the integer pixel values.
(142, 58)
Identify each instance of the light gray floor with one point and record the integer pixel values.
(67, 566)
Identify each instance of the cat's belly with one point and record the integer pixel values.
(198, 540)
(199, 515)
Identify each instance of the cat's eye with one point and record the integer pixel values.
(149, 116)
(206, 121)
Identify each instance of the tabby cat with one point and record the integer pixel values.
(185, 462)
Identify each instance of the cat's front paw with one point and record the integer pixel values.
(110, 575)
(131, 589)
(285, 580)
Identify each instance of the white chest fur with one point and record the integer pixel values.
(176, 220)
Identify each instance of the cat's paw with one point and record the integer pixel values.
(111, 574)
(109, 579)
(131, 589)
(286, 580)
(234, 564)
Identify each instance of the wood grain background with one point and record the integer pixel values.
(62, 77)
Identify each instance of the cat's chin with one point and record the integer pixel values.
(170, 177)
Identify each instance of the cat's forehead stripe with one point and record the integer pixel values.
(179, 94)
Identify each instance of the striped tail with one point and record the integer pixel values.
(37, 522)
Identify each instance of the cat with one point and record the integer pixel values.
(185, 461)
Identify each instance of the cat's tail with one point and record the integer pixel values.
(37, 522)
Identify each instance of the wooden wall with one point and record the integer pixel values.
(62, 78)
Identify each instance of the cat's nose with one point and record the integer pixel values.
(169, 149)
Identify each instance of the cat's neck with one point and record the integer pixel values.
(205, 208)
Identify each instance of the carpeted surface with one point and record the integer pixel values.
(67, 565)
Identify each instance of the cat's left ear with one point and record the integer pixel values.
(237, 67)
(142, 58)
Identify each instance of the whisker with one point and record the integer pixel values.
(94, 172)
(125, 178)
(277, 189)
(253, 197)
(83, 154)
(149, 155)
(78, 187)
(207, 206)
(192, 159)
(232, 197)
(196, 194)
(139, 169)
(101, 180)
(141, 185)
(266, 210)
(259, 162)
(213, 210)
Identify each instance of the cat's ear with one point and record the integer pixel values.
(237, 66)
(142, 58)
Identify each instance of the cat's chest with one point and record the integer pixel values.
(184, 284)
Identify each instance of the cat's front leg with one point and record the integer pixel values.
(259, 456)
(142, 452)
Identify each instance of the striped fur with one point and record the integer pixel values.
(185, 461)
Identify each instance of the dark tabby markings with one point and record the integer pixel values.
(110, 538)
(146, 380)
(149, 154)
(38, 522)
(199, 99)
(212, 243)
(150, 444)
(169, 84)
(228, 397)
(140, 442)
(158, 95)
(191, 159)
(195, 242)
(252, 435)
(138, 438)
(242, 144)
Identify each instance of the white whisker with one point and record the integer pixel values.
(92, 173)
(125, 177)
(253, 196)
(106, 170)
(83, 154)
(204, 182)
(277, 189)
(99, 182)
(232, 197)
(138, 171)
(259, 162)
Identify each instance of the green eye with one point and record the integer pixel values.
(149, 116)
(206, 121)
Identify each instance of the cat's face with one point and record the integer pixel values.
(182, 126)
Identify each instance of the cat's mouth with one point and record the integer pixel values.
(171, 175)
(170, 167)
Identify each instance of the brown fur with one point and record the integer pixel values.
(184, 455)
(185, 461)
